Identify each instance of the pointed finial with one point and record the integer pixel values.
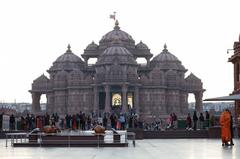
(165, 46)
(69, 48)
(116, 25)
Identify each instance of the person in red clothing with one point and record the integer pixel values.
(74, 122)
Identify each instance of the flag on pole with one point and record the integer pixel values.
(112, 16)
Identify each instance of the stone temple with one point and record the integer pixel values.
(116, 82)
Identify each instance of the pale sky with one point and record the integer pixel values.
(34, 33)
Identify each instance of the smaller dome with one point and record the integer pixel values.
(67, 61)
(92, 46)
(165, 60)
(141, 45)
(68, 56)
(165, 56)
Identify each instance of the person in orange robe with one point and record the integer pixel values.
(225, 120)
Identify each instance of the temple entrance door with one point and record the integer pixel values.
(116, 102)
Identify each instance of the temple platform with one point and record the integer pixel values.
(144, 149)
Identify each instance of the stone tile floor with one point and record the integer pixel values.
(145, 149)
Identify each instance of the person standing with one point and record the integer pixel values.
(207, 117)
(1, 121)
(195, 119)
(174, 118)
(189, 122)
(105, 120)
(12, 122)
(201, 120)
(231, 128)
(225, 122)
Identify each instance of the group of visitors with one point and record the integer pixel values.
(192, 123)
(78, 121)
(226, 123)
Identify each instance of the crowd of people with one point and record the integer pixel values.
(79, 121)
(199, 121)
(83, 121)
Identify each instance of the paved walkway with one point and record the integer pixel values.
(145, 149)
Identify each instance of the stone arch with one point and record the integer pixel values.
(39, 86)
(194, 85)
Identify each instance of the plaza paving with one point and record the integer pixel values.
(145, 149)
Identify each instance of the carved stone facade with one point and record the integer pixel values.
(117, 82)
(235, 59)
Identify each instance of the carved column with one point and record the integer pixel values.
(148, 61)
(36, 102)
(198, 98)
(136, 99)
(86, 60)
(96, 99)
(124, 99)
(107, 98)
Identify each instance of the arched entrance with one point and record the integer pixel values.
(39, 87)
(194, 85)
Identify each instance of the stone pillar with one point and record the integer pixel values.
(107, 98)
(86, 60)
(148, 61)
(36, 102)
(136, 99)
(124, 99)
(96, 99)
(198, 98)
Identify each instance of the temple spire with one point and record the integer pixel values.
(69, 48)
(116, 25)
(165, 47)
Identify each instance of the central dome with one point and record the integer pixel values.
(116, 34)
(116, 54)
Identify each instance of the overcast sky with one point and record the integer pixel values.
(34, 33)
